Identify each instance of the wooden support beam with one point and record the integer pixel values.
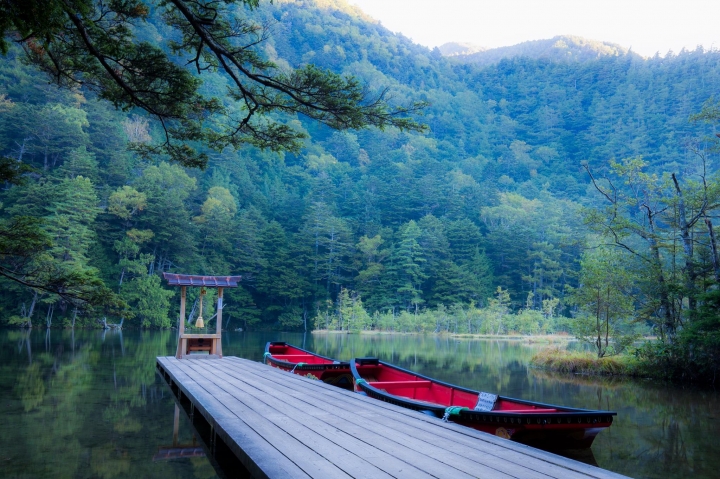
(218, 341)
(176, 425)
(181, 328)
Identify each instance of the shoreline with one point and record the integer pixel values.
(539, 338)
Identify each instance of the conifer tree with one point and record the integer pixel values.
(408, 260)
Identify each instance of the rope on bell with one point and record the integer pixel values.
(200, 323)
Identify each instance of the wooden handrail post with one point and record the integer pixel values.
(218, 347)
(182, 308)
(181, 328)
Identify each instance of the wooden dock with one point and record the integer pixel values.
(261, 422)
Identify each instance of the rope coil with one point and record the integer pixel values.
(453, 411)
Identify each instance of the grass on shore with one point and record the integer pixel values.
(579, 362)
(538, 338)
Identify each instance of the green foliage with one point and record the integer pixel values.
(604, 297)
(149, 300)
(291, 318)
(695, 355)
(472, 228)
(97, 44)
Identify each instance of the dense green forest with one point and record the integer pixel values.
(491, 214)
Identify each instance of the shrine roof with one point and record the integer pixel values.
(199, 280)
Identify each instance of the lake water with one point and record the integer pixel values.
(89, 404)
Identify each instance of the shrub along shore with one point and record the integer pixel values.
(586, 362)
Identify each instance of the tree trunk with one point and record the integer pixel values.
(607, 320)
(21, 150)
(32, 309)
(598, 328)
(690, 274)
(48, 317)
(667, 312)
(713, 247)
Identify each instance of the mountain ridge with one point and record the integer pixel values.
(559, 48)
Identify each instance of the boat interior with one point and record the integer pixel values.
(285, 352)
(408, 385)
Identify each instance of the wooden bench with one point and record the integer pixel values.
(400, 384)
(293, 356)
(199, 345)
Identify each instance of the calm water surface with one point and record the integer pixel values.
(90, 405)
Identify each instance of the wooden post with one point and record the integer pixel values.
(181, 330)
(218, 341)
(176, 425)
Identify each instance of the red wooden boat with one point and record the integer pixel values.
(305, 363)
(536, 424)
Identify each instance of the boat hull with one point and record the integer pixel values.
(545, 436)
(549, 427)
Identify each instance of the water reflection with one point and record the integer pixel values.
(86, 404)
(89, 403)
(177, 450)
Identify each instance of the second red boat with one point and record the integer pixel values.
(305, 363)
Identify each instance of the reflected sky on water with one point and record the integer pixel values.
(89, 404)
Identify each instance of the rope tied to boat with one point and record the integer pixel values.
(360, 381)
(298, 364)
(266, 354)
(453, 411)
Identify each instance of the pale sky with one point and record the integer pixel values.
(648, 26)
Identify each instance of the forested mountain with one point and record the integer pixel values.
(558, 49)
(403, 221)
(459, 49)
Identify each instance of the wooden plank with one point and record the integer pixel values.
(283, 418)
(368, 447)
(507, 450)
(447, 463)
(254, 451)
(319, 430)
(420, 444)
(460, 438)
(303, 456)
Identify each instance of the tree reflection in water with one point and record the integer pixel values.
(88, 403)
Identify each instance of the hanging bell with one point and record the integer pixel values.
(200, 323)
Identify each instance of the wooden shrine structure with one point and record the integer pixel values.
(200, 345)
